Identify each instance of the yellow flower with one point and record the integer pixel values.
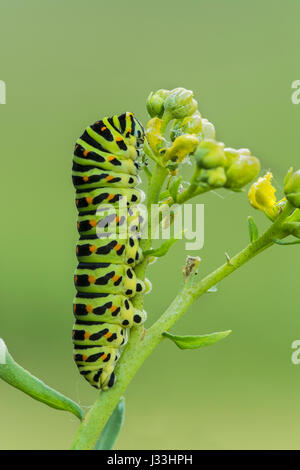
(261, 196)
(181, 147)
(153, 134)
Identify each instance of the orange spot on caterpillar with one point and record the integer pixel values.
(110, 158)
(84, 357)
(129, 130)
(113, 308)
(74, 308)
(89, 200)
(111, 196)
(119, 139)
(76, 146)
(76, 202)
(77, 250)
(108, 335)
(103, 128)
(73, 334)
(92, 248)
(91, 279)
(117, 219)
(75, 279)
(78, 225)
(104, 357)
(85, 153)
(118, 246)
(115, 278)
(87, 335)
(89, 308)
(109, 177)
(93, 223)
(85, 178)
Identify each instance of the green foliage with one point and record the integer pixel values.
(196, 341)
(284, 242)
(253, 230)
(174, 187)
(112, 428)
(163, 249)
(15, 375)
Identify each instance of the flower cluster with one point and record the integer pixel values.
(225, 167)
(192, 136)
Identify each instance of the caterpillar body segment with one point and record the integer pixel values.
(107, 219)
(89, 200)
(109, 224)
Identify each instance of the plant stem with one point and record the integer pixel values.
(143, 342)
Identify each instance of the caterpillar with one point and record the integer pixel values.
(105, 174)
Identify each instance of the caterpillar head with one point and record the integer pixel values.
(133, 130)
(138, 132)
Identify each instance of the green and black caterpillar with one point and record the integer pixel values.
(104, 174)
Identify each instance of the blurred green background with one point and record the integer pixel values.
(69, 63)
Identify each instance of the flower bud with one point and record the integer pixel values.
(192, 124)
(189, 125)
(181, 147)
(241, 168)
(230, 155)
(261, 195)
(155, 103)
(210, 154)
(292, 187)
(180, 103)
(295, 216)
(208, 130)
(215, 177)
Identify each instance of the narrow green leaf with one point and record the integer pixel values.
(163, 249)
(253, 230)
(164, 195)
(112, 428)
(15, 375)
(197, 341)
(174, 187)
(282, 242)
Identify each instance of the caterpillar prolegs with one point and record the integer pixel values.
(105, 176)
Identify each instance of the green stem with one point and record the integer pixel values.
(158, 177)
(143, 342)
(157, 180)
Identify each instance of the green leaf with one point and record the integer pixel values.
(253, 230)
(282, 242)
(164, 195)
(163, 249)
(112, 428)
(174, 187)
(197, 341)
(15, 375)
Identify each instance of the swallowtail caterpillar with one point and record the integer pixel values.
(104, 174)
